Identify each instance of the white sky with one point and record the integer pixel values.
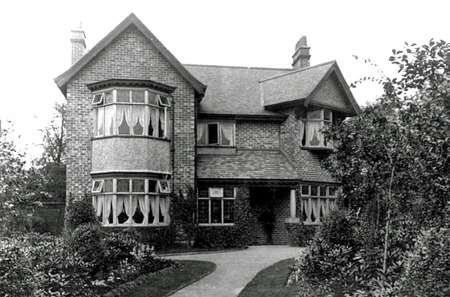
(35, 46)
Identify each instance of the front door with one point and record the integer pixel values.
(262, 201)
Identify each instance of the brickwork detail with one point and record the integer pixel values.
(257, 135)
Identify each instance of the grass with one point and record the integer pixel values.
(271, 282)
(164, 284)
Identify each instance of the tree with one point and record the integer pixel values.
(394, 158)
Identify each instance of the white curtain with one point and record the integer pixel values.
(162, 121)
(164, 202)
(302, 130)
(227, 133)
(127, 204)
(143, 206)
(308, 209)
(123, 119)
(134, 204)
(155, 209)
(99, 205)
(137, 119)
(201, 133)
(109, 119)
(100, 121)
(94, 202)
(154, 114)
(316, 209)
(107, 208)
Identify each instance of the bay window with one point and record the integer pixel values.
(314, 124)
(215, 133)
(216, 205)
(131, 201)
(138, 112)
(317, 202)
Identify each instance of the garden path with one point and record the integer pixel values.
(235, 269)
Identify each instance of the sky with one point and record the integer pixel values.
(35, 46)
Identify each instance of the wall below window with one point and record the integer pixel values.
(128, 153)
(257, 135)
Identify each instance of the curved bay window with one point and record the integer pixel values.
(130, 111)
(131, 201)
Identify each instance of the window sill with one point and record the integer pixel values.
(216, 225)
(215, 146)
(134, 225)
(130, 136)
(318, 148)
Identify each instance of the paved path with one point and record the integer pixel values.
(234, 269)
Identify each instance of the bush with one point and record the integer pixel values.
(119, 246)
(16, 275)
(79, 213)
(427, 269)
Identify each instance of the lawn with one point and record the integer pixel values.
(271, 282)
(164, 284)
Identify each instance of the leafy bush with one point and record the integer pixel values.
(16, 275)
(119, 246)
(78, 213)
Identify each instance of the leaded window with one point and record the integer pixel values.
(216, 205)
(317, 202)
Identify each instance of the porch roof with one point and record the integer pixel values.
(246, 164)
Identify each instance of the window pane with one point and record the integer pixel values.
(153, 122)
(138, 96)
(122, 208)
(109, 119)
(327, 115)
(123, 118)
(305, 190)
(138, 185)
(162, 120)
(213, 137)
(100, 121)
(152, 186)
(216, 211)
(227, 133)
(203, 211)
(123, 96)
(137, 119)
(314, 191)
(228, 211)
(203, 191)
(108, 185)
(164, 100)
(228, 192)
(137, 210)
(108, 97)
(123, 185)
(152, 98)
(323, 191)
(332, 191)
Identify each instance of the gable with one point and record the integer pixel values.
(130, 21)
(330, 94)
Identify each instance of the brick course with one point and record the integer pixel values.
(257, 135)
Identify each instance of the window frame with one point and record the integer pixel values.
(222, 203)
(307, 198)
(219, 133)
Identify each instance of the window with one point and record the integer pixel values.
(131, 201)
(215, 133)
(317, 202)
(138, 112)
(216, 205)
(316, 121)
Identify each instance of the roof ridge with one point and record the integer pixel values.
(299, 70)
(241, 67)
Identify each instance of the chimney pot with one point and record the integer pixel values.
(301, 56)
(78, 40)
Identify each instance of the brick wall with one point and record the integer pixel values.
(129, 56)
(257, 135)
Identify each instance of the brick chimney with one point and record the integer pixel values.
(78, 40)
(300, 59)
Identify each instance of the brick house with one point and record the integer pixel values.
(141, 125)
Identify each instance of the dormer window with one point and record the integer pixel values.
(314, 124)
(130, 111)
(212, 133)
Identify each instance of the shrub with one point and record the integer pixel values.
(16, 275)
(147, 260)
(79, 213)
(86, 242)
(119, 246)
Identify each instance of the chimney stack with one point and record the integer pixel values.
(78, 40)
(300, 59)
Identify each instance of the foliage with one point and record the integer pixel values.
(184, 213)
(54, 141)
(119, 246)
(78, 213)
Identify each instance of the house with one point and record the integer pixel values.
(141, 125)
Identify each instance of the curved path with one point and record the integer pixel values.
(234, 270)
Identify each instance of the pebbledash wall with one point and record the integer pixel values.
(130, 56)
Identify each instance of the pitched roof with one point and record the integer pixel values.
(246, 164)
(233, 90)
(64, 78)
(300, 85)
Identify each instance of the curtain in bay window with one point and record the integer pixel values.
(164, 202)
(123, 119)
(201, 133)
(107, 208)
(121, 200)
(100, 121)
(153, 122)
(155, 209)
(134, 205)
(144, 207)
(109, 119)
(227, 133)
(137, 119)
(162, 121)
(316, 209)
